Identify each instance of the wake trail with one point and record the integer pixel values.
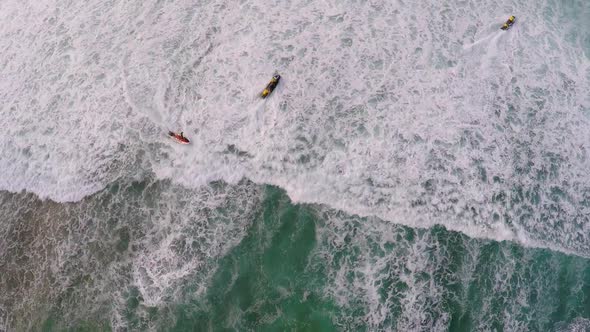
(477, 42)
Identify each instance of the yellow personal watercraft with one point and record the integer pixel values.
(274, 81)
(508, 23)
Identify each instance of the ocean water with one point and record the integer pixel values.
(417, 169)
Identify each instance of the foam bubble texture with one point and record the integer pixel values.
(402, 279)
(118, 255)
(418, 113)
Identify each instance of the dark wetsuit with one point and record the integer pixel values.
(273, 83)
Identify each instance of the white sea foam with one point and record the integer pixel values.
(418, 280)
(153, 242)
(418, 113)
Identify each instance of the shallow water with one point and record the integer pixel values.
(416, 169)
(125, 259)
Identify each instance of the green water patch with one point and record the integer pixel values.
(301, 267)
(295, 266)
(264, 284)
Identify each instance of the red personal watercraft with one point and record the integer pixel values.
(179, 138)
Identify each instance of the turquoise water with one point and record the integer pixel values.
(298, 267)
(277, 277)
(416, 169)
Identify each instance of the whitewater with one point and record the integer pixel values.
(416, 113)
(406, 113)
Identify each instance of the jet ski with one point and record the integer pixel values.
(508, 23)
(274, 81)
(179, 138)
